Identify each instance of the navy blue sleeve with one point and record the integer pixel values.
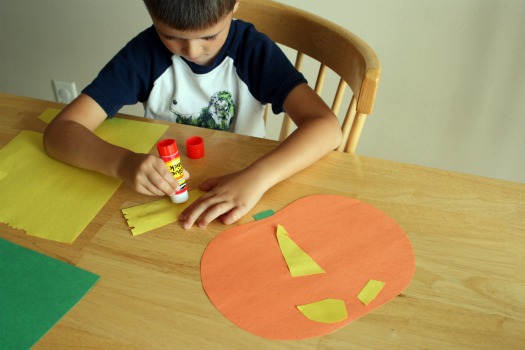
(264, 67)
(129, 76)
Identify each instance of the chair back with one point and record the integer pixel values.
(334, 48)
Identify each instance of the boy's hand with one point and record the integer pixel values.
(148, 174)
(229, 198)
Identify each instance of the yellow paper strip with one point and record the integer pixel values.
(149, 216)
(298, 261)
(325, 311)
(370, 291)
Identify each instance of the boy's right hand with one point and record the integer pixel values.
(147, 174)
(70, 139)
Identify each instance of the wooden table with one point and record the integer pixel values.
(468, 235)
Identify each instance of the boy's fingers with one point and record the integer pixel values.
(232, 216)
(212, 213)
(195, 211)
(163, 179)
(148, 189)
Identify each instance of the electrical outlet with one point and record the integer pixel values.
(65, 92)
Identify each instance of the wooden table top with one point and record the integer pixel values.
(467, 232)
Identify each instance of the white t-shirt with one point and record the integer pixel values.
(249, 71)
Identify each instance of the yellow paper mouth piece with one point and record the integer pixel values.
(325, 311)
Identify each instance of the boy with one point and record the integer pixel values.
(198, 65)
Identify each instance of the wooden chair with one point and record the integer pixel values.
(333, 47)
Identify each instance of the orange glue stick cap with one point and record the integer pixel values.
(195, 147)
(167, 148)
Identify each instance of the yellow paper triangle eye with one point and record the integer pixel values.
(325, 311)
(298, 261)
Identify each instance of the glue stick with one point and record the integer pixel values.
(169, 153)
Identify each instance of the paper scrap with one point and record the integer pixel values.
(298, 261)
(49, 114)
(149, 216)
(36, 291)
(325, 311)
(370, 291)
(263, 214)
(52, 200)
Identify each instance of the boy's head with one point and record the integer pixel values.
(193, 29)
(189, 15)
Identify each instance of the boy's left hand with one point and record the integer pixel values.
(229, 198)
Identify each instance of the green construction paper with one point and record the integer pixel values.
(263, 214)
(36, 291)
(61, 199)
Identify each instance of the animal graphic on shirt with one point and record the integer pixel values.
(218, 115)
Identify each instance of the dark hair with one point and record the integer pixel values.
(189, 14)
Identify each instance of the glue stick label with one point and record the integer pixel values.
(175, 167)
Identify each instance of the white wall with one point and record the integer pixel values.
(451, 94)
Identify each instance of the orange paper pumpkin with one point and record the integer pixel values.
(247, 279)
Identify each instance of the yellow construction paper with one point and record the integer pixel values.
(149, 216)
(298, 261)
(370, 291)
(47, 198)
(49, 114)
(325, 311)
(134, 135)
(52, 200)
(2, 175)
(131, 134)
